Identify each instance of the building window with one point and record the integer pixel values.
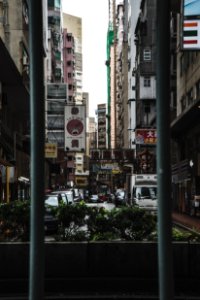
(69, 50)
(25, 12)
(147, 81)
(147, 54)
(69, 38)
(190, 96)
(69, 75)
(183, 103)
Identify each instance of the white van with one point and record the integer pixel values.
(146, 197)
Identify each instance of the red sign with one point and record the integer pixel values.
(146, 136)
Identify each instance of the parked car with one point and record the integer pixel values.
(68, 194)
(110, 197)
(52, 201)
(77, 195)
(94, 199)
(120, 198)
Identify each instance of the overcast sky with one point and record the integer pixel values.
(94, 14)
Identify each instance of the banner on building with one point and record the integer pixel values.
(75, 128)
(146, 136)
(191, 25)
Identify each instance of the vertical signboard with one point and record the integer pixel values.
(75, 127)
(191, 25)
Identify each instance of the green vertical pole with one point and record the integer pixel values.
(163, 151)
(36, 273)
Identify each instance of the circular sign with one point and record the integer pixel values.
(75, 127)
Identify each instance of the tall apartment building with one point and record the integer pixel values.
(101, 126)
(145, 70)
(111, 74)
(133, 13)
(65, 50)
(92, 133)
(69, 63)
(56, 91)
(185, 127)
(122, 77)
(14, 99)
(73, 25)
(87, 149)
(55, 44)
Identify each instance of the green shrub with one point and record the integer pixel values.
(71, 218)
(133, 223)
(181, 235)
(100, 225)
(15, 220)
(82, 223)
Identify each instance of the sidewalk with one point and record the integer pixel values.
(186, 220)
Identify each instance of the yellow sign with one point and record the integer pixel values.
(81, 181)
(116, 171)
(51, 150)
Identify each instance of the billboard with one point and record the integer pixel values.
(75, 127)
(191, 25)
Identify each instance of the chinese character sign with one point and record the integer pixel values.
(146, 136)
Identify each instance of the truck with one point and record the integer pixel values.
(144, 191)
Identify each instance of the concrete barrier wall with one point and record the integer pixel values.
(97, 259)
